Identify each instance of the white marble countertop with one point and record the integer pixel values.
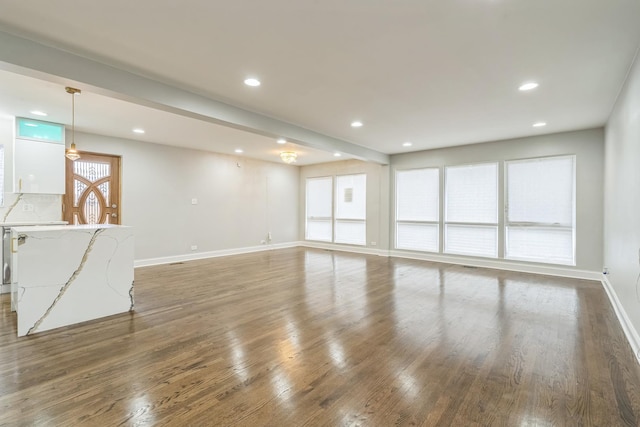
(84, 227)
(67, 274)
(30, 223)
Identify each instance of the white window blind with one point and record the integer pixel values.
(351, 209)
(417, 209)
(319, 195)
(471, 210)
(541, 210)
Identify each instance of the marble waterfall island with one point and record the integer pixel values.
(70, 274)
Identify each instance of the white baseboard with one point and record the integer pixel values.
(460, 260)
(501, 265)
(212, 254)
(629, 331)
(5, 289)
(343, 248)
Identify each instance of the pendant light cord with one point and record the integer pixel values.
(73, 118)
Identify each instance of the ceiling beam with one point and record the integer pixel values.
(25, 56)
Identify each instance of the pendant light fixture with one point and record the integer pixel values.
(72, 153)
(288, 157)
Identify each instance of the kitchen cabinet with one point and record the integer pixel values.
(38, 157)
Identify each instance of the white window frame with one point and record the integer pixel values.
(337, 219)
(400, 222)
(495, 225)
(312, 218)
(333, 219)
(540, 225)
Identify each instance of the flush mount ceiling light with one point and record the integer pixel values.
(337, 155)
(252, 82)
(407, 144)
(138, 130)
(39, 113)
(239, 150)
(356, 124)
(72, 154)
(288, 157)
(528, 86)
(539, 124)
(281, 141)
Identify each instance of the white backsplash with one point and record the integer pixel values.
(31, 207)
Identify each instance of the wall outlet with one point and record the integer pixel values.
(374, 243)
(194, 201)
(605, 270)
(194, 247)
(269, 236)
(27, 207)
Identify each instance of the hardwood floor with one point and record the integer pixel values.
(302, 337)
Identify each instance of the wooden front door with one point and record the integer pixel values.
(92, 190)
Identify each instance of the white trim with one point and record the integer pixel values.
(5, 289)
(500, 265)
(343, 248)
(629, 331)
(212, 254)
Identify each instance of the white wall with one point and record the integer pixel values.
(377, 197)
(588, 147)
(622, 197)
(239, 200)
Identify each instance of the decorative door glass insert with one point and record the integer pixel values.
(91, 195)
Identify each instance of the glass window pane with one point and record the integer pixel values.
(319, 230)
(541, 190)
(541, 244)
(319, 195)
(471, 193)
(351, 232)
(478, 240)
(417, 237)
(351, 197)
(417, 195)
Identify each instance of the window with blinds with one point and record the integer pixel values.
(540, 210)
(471, 210)
(418, 209)
(319, 196)
(351, 209)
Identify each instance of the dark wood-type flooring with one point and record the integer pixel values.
(304, 337)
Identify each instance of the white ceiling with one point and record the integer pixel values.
(102, 115)
(436, 73)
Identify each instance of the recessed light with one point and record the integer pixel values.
(252, 82)
(539, 124)
(528, 86)
(281, 141)
(39, 113)
(138, 130)
(356, 124)
(407, 144)
(337, 155)
(239, 150)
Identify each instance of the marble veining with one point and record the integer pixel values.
(11, 207)
(31, 208)
(69, 282)
(71, 274)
